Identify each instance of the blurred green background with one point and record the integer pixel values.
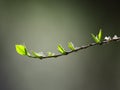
(42, 25)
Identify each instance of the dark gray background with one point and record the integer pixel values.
(41, 25)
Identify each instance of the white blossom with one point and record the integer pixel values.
(41, 54)
(115, 37)
(107, 38)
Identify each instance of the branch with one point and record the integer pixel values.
(22, 50)
(80, 48)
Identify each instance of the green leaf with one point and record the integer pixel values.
(61, 49)
(37, 54)
(21, 49)
(100, 35)
(50, 54)
(95, 38)
(71, 46)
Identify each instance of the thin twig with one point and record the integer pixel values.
(79, 48)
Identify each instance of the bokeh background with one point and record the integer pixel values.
(42, 25)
